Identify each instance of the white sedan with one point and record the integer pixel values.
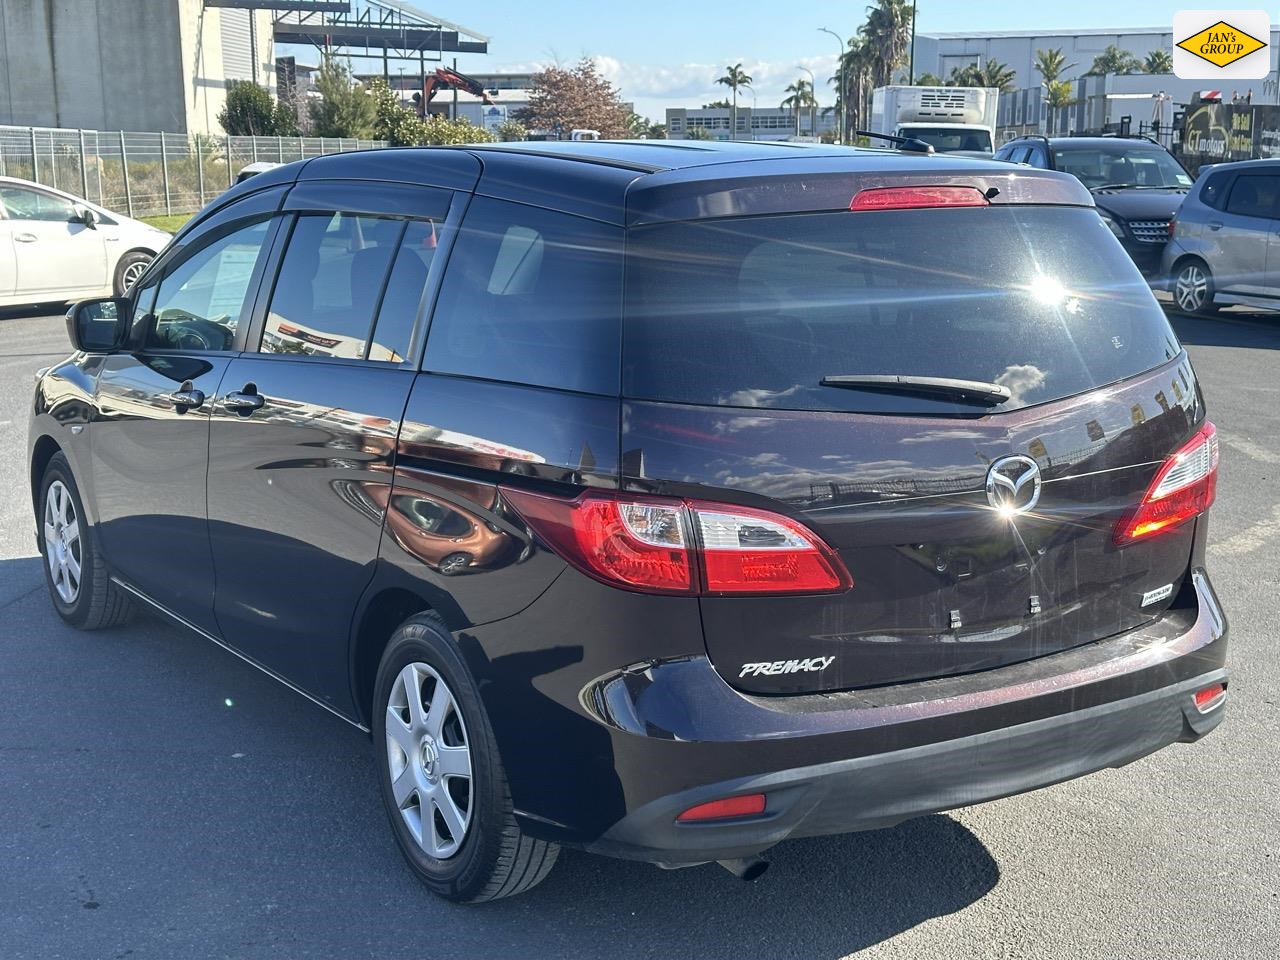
(57, 247)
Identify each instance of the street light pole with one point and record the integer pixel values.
(911, 60)
(840, 79)
(755, 106)
(813, 90)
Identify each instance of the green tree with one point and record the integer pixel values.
(1051, 64)
(1158, 61)
(856, 66)
(400, 126)
(345, 108)
(716, 105)
(1114, 60)
(511, 130)
(734, 78)
(250, 111)
(697, 133)
(801, 98)
(993, 73)
(1058, 94)
(637, 126)
(888, 30)
(657, 131)
(573, 99)
(927, 79)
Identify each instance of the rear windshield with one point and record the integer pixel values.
(754, 312)
(947, 139)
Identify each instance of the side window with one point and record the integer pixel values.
(328, 286)
(1254, 196)
(1036, 157)
(199, 301)
(403, 297)
(1214, 190)
(22, 204)
(531, 296)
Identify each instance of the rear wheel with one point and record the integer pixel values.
(129, 270)
(1193, 288)
(441, 779)
(79, 584)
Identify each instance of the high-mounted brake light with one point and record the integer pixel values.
(911, 198)
(1183, 488)
(688, 547)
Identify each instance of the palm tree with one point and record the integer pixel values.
(856, 67)
(991, 74)
(734, 77)
(927, 79)
(1051, 64)
(1058, 94)
(1158, 61)
(801, 97)
(888, 29)
(1114, 60)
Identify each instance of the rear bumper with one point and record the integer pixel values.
(871, 792)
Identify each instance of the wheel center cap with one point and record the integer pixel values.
(428, 756)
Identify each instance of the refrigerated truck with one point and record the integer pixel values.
(951, 119)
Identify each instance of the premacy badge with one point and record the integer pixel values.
(1221, 44)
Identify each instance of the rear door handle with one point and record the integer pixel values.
(25, 237)
(1215, 225)
(185, 398)
(243, 402)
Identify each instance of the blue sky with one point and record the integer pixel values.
(662, 53)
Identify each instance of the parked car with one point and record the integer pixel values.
(877, 489)
(58, 247)
(1136, 184)
(255, 168)
(1224, 246)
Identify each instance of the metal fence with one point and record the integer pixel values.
(146, 174)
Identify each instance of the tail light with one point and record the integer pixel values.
(1183, 488)
(1210, 697)
(687, 547)
(730, 808)
(915, 198)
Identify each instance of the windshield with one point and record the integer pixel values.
(756, 312)
(1124, 163)
(947, 140)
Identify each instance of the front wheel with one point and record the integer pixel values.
(79, 584)
(1193, 288)
(441, 778)
(129, 271)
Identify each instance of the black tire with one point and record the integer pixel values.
(1186, 296)
(495, 859)
(130, 260)
(98, 602)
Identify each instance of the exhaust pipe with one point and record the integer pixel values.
(749, 869)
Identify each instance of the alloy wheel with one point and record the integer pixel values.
(131, 274)
(429, 755)
(1191, 288)
(62, 547)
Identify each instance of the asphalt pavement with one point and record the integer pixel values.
(159, 798)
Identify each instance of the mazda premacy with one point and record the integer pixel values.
(665, 501)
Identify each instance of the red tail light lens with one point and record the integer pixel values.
(1183, 488)
(690, 547)
(914, 198)
(1210, 697)
(751, 805)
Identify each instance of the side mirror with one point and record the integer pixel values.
(87, 217)
(99, 326)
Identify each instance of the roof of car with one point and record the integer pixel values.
(635, 181)
(1141, 143)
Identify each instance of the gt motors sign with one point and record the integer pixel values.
(1221, 44)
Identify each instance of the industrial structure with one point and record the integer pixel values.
(754, 123)
(165, 64)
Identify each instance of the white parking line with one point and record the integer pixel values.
(1250, 539)
(1254, 451)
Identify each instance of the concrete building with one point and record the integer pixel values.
(761, 123)
(127, 64)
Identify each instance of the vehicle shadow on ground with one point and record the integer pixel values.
(256, 827)
(1244, 330)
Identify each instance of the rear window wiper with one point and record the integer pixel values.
(974, 391)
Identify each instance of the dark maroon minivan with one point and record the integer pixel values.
(665, 500)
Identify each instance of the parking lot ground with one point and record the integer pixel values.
(159, 798)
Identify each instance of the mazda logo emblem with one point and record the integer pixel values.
(1013, 484)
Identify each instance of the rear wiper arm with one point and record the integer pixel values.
(976, 391)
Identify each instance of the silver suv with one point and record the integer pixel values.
(1224, 245)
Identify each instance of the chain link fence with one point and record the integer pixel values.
(148, 174)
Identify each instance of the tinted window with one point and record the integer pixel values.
(1254, 196)
(403, 297)
(22, 204)
(1214, 190)
(755, 312)
(530, 296)
(1123, 163)
(199, 302)
(328, 285)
